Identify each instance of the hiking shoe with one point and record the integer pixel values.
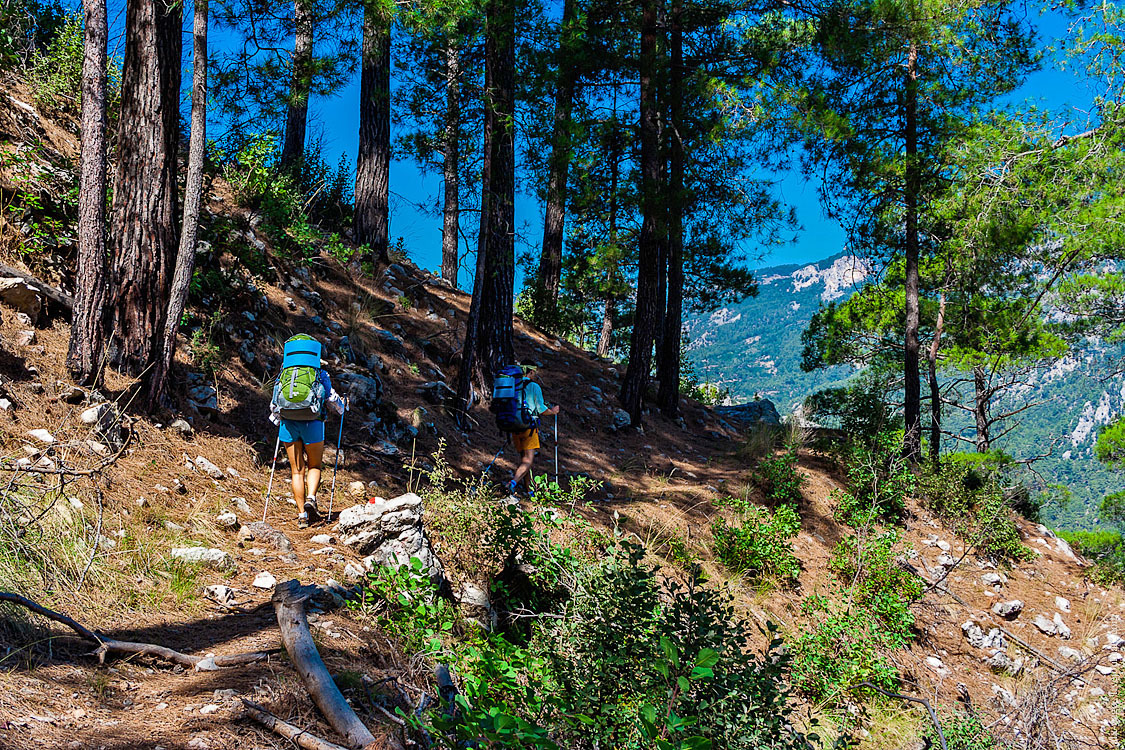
(311, 510)
(303, 521)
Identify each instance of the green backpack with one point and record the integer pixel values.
(299, 395)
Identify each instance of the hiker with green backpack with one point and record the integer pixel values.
(301, 396)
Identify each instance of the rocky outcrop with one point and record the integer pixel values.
(752, 413)
(388, 532)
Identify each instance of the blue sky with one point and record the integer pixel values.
(336, 118)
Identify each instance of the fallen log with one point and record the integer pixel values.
(57, 296)
(294, 734)
(105, 644)
(289, 600)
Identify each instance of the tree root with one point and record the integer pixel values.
(112, 645)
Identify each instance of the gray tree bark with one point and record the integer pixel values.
(668, 365)
(193, 199)
(84, 358)
(912, 387)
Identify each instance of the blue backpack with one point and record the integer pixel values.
(508, 401)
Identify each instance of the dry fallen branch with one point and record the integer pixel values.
(64, 471)
(289, 600)
(295, 734)
(911, 698)
(112, 645)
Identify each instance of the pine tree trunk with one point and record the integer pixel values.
(488, 341)
(160, 375)
(912, 401)
(607, 329)
(648, 271)
(144, 237)
(668, 364)
(451, 212)
(935, 390)
(372, 172)
(84, 359)
(554, 220)
(981, 397)
(297, 115)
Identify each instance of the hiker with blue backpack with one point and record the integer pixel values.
(301, 396)
(517, 402)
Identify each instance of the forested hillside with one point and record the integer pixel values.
(754, 349)
(272, 474)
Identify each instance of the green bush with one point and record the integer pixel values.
(779, 477)
(838, 650)
(877, 582)
(56, 72)
(860, 410)
(1106, 549)
(963, 731)
(969, 498)
(760, 545)
(879, 480)
(27, 27)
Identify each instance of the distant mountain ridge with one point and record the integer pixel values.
(753, 348)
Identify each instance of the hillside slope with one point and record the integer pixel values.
(98, 545)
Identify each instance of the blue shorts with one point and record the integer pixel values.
(309, 433)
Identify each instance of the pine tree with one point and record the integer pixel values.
(297, 113)
(372, 174)
(143, 230)
(160, 376)
(488, 338)
(87, 334)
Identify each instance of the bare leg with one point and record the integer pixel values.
(314, 459)
(296, 453)
(524, 469)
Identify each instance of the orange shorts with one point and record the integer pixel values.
(526, 441)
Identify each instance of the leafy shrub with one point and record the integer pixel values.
(1107, 551)
(879, 480)
(27, 26)
(779, 477)
(860, 410)
(963, 731)
(877, 582)
(760, 545)
(971, 500)
(405, 602)
(56, 72)
(839, 650)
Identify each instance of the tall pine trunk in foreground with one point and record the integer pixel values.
(558, 168)
(668, 363)
(488, 339)
(372, 172)
(143, 234)
(297, 114)
(193, 199)
(451, 137)
(87, 333)
(646, 317)
(912, 387)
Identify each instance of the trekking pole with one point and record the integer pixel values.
(336, 464)
(273, 465)
(556, 448)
